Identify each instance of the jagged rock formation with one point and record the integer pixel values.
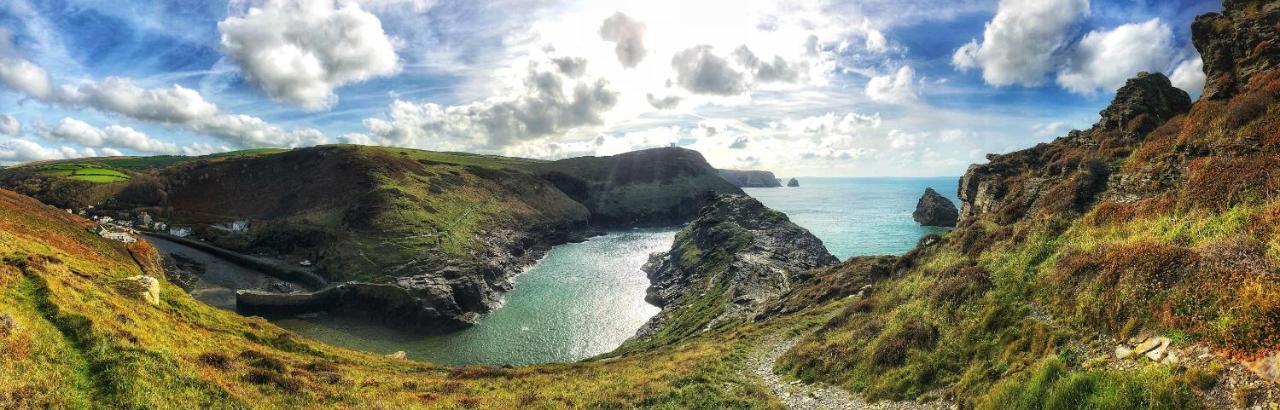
(750, 179)
(1055, 176)
(933, 209)
(1237, 44)
(727, 264)
(793, 183)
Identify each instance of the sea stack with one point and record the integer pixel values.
(935, 210)
(793, 183)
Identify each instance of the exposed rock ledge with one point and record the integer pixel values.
(727, 264)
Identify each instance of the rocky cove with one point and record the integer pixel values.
(581, 299)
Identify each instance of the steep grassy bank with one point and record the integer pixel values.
(1159, 219)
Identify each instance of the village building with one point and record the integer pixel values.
(118, 236)
(181, 232)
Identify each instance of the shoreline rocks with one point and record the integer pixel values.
(793, 183)
(933, 209)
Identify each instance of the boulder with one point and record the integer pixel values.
(793, 183)
(1267, 367)
(143, 287)
(1123, 352)
(933, 209)
(399, 355)
(8, 325)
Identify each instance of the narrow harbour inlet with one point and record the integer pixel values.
(580, 300)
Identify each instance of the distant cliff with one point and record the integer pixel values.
(750, 179)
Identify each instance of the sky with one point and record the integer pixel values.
(801, 88)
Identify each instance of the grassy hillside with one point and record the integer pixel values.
(1160, 219)
(79, 338)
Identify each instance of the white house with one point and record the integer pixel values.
(144, 218)
(118, 236)
(181, 232)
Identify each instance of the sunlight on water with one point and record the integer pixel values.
(581, 300)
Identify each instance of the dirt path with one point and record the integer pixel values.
(796, 395)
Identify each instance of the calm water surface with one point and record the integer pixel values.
(858, 216)
(585, 299)
(581, 300)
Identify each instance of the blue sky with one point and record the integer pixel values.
(810, 88)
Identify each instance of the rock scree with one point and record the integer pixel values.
(933, 209)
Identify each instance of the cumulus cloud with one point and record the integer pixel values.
(1020, 43)
(21, 150)
(701, 71)
(1105, 59)
(175, 105)
(1189, 76)
(24, 76)
(547, 105)
(115, 137)
(119, 95)
(10, 125)
(897, 88)
(628, 34)
(664, 103)
(778, 70)
(300, 51)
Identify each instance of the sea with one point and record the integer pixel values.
(585, 299)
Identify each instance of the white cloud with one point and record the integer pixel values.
(547, 105)
(1189, 76)
(114, 138)
(16, 150)
(170, 106)
(1020, 42)
(10, 126)
(897, 88)
(1105, 59)
(628, 35)
(1050, 129)
(24, 76)
(299, 51)
(120, 95)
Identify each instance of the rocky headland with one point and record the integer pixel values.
(750, 179)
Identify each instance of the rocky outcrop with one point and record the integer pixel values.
(726, 264)
(1237, 44)
(653, 187)
(142, 287)
(750, 179)
(1069, 173)
(933, 209)
(793, 183)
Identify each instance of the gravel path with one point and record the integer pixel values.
(797, 395)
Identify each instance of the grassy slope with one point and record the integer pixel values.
(1013, 309)
(80, 340)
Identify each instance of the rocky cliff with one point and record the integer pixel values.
(727, 264)
(1072, 255)
(441, 234)
(933, 209)
(750, 179)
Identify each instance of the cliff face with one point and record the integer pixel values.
(654, 187)
(1236, 45)
(1068, 174)
(727, 264)
(750, 179)
(446, 232)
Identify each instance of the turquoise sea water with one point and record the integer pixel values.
(581, 300)
(858, 216)
(587, 298)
